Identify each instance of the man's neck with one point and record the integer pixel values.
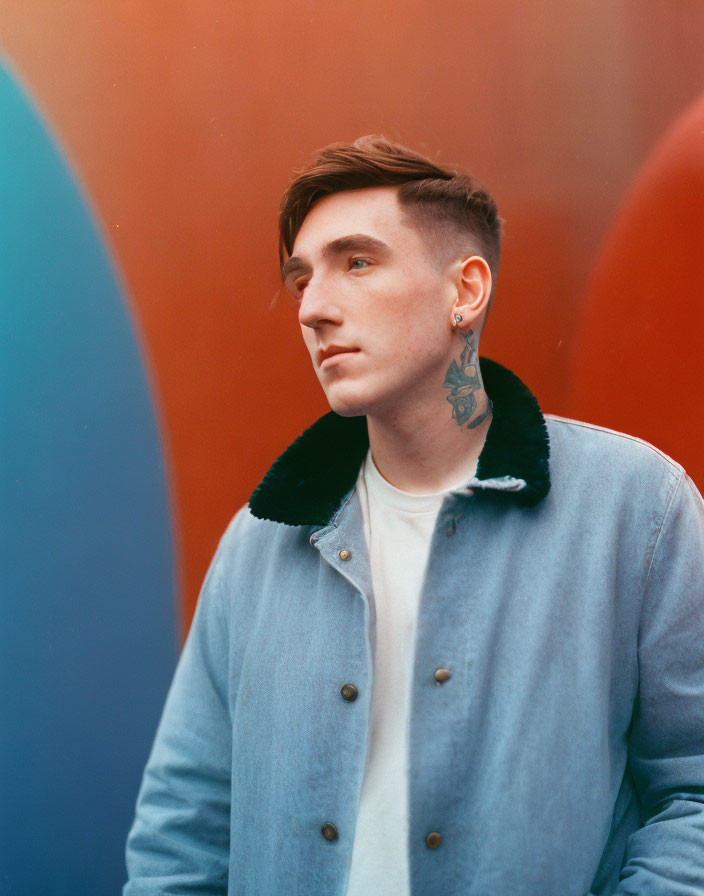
(434, 444)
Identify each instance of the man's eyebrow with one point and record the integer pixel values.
(294, 263)
(357, 242)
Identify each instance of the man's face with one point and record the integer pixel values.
(374, 307)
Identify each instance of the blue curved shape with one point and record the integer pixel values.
(88, 603)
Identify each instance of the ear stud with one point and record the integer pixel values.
(458, 318)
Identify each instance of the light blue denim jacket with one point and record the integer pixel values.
(565, 755)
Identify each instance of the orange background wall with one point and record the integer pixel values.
(184, 122)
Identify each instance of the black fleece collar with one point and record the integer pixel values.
(306, 485)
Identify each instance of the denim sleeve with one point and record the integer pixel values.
(179, 841)
(665, 857)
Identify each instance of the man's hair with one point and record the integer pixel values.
(450, 208)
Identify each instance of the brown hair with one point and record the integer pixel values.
(437, 200)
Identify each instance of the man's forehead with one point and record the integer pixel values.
(373, 211)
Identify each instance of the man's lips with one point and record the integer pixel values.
(324, 355)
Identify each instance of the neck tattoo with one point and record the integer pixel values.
(463, 380)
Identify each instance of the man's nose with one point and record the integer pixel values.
(317, 304)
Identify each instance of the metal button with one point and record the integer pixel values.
(433, 840)
(349, 692)
(344, 555)
(329, 831)
(442, 675)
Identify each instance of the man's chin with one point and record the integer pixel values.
(347, 406)
(348, 410)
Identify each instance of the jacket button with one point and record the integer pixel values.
(433, 840)
(349, 692)
(442, 675)
(345, 555)
(329, 831)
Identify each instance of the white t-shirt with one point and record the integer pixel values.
(398, 528)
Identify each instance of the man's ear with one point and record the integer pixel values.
(473, 284)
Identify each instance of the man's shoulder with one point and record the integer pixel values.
(602, 438)
(608, 459)
(248, 528)
(251, 540)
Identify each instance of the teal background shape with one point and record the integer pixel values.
(88, 603)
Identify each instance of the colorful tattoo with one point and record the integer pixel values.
(463, 380)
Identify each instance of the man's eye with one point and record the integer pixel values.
(296, 286)
(357, 264)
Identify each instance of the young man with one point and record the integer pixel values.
(428, 659)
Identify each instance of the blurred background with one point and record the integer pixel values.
(148, 376)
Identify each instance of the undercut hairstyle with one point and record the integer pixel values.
(452, 210)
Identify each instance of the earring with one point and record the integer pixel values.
(458, 319)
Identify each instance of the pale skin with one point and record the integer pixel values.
(366, 282)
